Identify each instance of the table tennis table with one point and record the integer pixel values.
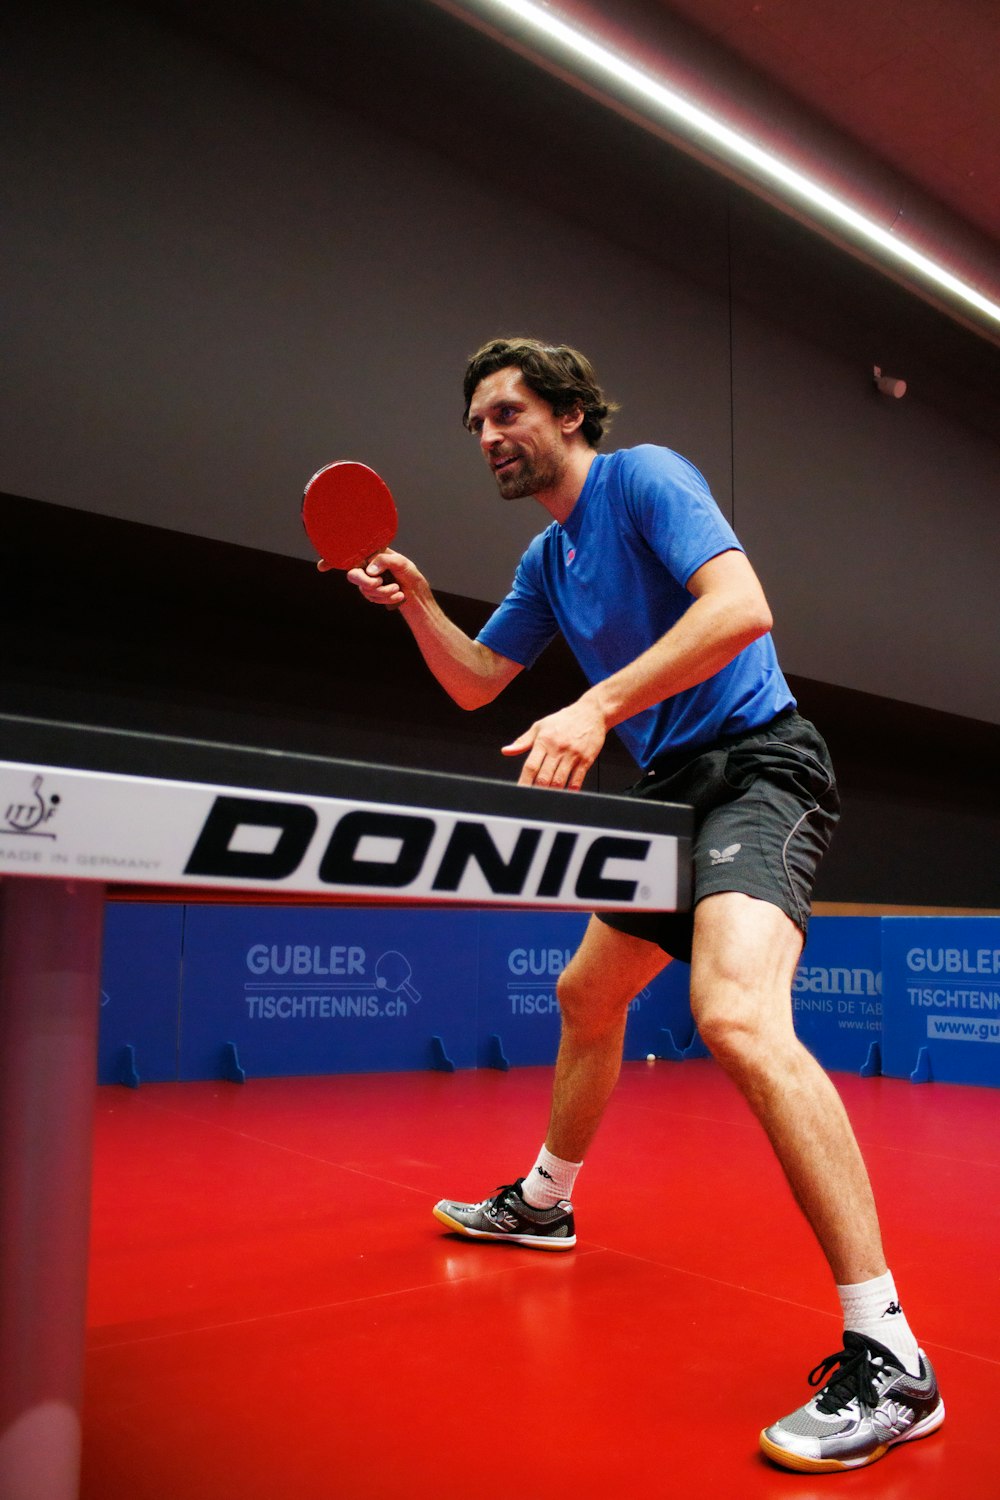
(89, 811)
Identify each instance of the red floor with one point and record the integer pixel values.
(275, 1315)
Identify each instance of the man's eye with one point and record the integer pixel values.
(507, 414)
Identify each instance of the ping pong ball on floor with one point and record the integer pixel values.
(650, 1056)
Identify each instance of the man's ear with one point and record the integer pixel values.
(571, 421)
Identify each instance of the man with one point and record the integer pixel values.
(647, 582)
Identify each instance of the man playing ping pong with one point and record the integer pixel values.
(649, 585)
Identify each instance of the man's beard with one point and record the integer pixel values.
(526, 478)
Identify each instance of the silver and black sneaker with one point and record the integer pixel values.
(868, 1403)
(506, 1216)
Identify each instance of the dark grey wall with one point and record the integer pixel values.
(224, 279)
(247, 239)
(876, 522)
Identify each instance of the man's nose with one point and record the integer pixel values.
(489, 435)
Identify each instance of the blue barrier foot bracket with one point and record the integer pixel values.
(922, 1072)
(872, 1065)
(669, 1049)
(695, 1047)
(496, 1055)
(232, 1072)
(127, 1072)
(439, 1057)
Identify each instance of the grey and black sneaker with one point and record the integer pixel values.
(867, 1404)
(506, 1216)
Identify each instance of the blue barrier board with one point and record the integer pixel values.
(837, 991)
(140, 993)
(942, 999)
(661, 1015)
(521, 955)
(295, 990)
(300, 990)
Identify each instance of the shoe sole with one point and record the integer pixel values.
(532, 1241)
(803, 1465)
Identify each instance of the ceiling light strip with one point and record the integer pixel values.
(665, 101)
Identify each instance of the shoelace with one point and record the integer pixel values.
(501, 1192)
(847, 1376)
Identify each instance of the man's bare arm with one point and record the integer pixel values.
(468, 671)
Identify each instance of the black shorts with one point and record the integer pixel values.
(765, 807)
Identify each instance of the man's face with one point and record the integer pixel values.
(523, 441)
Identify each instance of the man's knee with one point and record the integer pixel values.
(733, 1039)
(585, 1004)
(746, 1027)
(603, 977)
(741, 979)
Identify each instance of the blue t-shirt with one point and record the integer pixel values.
(612, 581)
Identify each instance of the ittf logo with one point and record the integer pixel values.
(26, 818)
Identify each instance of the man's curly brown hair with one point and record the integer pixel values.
(562, 376)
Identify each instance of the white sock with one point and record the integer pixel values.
(550, 1180)
(872, 1308)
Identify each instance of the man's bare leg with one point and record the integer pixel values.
(595, 990)
(745, 953)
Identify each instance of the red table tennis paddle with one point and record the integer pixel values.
(349, 514)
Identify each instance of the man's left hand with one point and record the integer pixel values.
(561, 748)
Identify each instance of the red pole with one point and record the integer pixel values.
(50, 971)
